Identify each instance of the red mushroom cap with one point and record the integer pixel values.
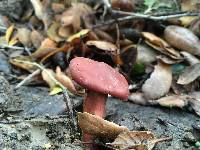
(99, 77)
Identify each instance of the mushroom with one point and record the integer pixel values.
(99, 79)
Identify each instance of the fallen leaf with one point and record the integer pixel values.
(18, 61)
(24, 36)
(138, 98)
(161, 45)
(72, 17)
(159, 82)
(136, 140)
(103, 45)
(183, 39)
(52, 32)
(65, 80)
(179, 101)
(47, 78)
(9, 33)
(13, 41)
(189, 74)
(191, 59)
(97, 126)
(78, 35)
(57, 7)
(46, 47)
(195, 102)
(123, 5)
(64, 32)
(55, 90)
(195, 27)
(36, 38)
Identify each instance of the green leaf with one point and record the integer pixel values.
(56, 90)
(149, 3)
(138, 68)
(197, 144)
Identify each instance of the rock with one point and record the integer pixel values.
(5, 66)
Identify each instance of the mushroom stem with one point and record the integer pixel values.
(95, 103)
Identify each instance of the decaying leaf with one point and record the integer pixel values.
(145, 54)
(9, 33)
(191, 59)
(179, 101)
(183, 39)
(52, 32)
(64, 32)
(195, 102)
(136, 140)
(159, 82)
(56, 90)
(72, 17)
(47, 78)
(24, 36)
(124, 5)
(97, 126)
(160, 45)
(57, 7)
(78, 35)
(36, 38)
(65, 80)
(195, 27)
(18, 61)
(103, 45)
(138, 98)
(46, 47)
(190, 74)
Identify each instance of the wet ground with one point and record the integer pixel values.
(31, 119)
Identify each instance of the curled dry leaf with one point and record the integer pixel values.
(183, 39)
(46, 47)
(52, 32)
(191, 59)
(57, 7)
(172, 101)
(9, 33)
(47, 78)
(145, 54)
(159, 82)
(24, 36)
(190, 74)
(36, 38)
(64, 32)
(65, 80)
(42, 12)
(195, 27)
(18, 61)
(72, 17)
(97, 126)
(78, 35)
(136, 140)
(103, 45)
(167, 60)
(161, 45)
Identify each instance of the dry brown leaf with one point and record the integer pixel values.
(179, 101)
(159, 82)
(145, 54)
(57, 7)
(46, 47)
(136, 140)
(47, 78)
(190, 74)
(24, 36)
(72, 17)
(64, 32)
(195, 27)
(97, 126)
(167, 60)
(123, 5)
(65, 80)
(183, 39)
(195, 102)
(160, 45)
(18, 61)
(36, 38)
(103, 45)
(42, 12)
(191, 59)
(52, 32)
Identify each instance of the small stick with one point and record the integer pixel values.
(28, 78)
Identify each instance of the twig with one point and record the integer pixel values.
(28, 78)
(143, 16)
(14, 47)
(65, 94)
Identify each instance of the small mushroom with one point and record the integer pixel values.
(100, 80)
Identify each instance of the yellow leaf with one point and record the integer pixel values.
(9, 32)
(13, 41)
(78, 35)
(56, 90)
